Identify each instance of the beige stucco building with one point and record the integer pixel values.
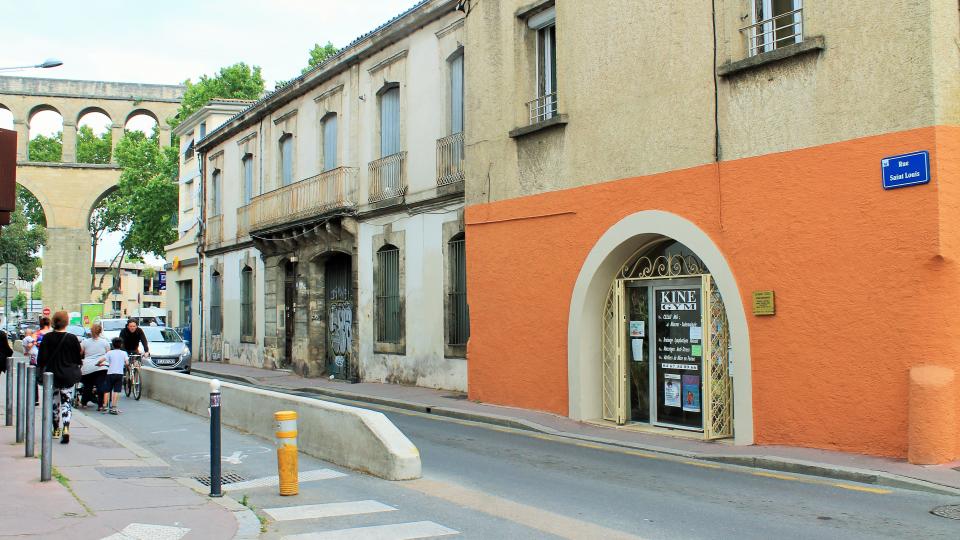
(742, 155)
(334, 213)
(139, 287)
(183, 283)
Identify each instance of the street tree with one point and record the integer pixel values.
(20, 243)
(19, 303)
(238, 81)
(318, 54)
(144, 205)
(93, 148)
(37, 291)
(46, 149)
(31, 207)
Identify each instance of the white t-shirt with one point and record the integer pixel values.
(116, 359)
(93, 351)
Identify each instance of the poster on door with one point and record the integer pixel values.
(671, 393)
(691, 393)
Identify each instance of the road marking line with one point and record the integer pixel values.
(704, 465)
(529, 516)
(319, 474)
(400, 531)
(773, 475)
(313, 511)
(144, 531)
(878, 491)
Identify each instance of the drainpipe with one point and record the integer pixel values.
(201, 242)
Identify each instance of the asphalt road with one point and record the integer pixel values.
(490, 482)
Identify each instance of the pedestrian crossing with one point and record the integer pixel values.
(145, 531)
(410, 530)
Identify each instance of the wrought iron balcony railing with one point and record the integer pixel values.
(214, 230)
(450, 159)
(388, 177)
(324, 192)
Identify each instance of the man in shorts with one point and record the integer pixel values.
(115, 360)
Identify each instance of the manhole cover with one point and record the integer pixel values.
(227, 478)
(951, 511)
(135, 472)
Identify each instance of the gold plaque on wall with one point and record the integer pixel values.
(763, 303)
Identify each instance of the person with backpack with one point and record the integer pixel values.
(60, 354)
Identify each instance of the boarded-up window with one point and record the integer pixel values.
(388, 295)
(216, 304)
(247, 178)
(216, 197)
(390, 122)
(286, 159)
(330, 142)
(246, 302)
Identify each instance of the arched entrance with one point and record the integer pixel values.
(610, 376)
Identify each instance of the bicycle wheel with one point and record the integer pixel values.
(135, 379)
(127, 387)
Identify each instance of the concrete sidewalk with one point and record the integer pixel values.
(103, 487)
(831, 464)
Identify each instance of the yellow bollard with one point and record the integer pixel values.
(286, 434)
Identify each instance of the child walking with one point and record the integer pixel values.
(115, 360)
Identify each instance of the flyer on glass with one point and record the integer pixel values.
(671, 393)
(691, 393)
(637, 329)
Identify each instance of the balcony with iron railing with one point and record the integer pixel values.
(243, 222)
(331, 190)
(388, 177)
(774, 32)
(450, 159)
(542, 108)
(214, 232)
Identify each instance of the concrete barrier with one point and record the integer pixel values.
(349, 436)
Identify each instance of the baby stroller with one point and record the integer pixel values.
(87, 389)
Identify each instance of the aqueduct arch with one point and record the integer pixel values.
(68, 190)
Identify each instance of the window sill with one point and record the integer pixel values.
(248, 339)
(813, 44)
(559, 120)
(380, 347)
(458, 352)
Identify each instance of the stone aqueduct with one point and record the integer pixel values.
(68, 191)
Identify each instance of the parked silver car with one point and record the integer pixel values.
(112, 327)
(167, 349)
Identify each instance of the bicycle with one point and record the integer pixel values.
(131, 377)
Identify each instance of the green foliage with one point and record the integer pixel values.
(318, 54)
(145, 201)
(19, 303)
(31, 207)
(20, 243)
(37, 291)
(92, 148)
(238, 81)
(46, 149)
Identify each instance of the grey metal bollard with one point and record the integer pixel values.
(46, 432)
(30, 431)
(215, 459)
(21, 398)
(8, 412)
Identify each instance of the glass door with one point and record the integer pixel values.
(638, 351)
(677, 338)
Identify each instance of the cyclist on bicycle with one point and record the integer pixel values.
(132, 337)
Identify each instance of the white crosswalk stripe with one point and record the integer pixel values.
(269, 481)
(399, 531)
(313, 511)
(143, 531)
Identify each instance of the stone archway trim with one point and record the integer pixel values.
(589, 292)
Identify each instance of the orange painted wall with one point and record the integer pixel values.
(866, 282)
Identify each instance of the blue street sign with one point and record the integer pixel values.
(163, 280)
(906, 170)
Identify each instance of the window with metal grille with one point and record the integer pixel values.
(459, 318)
(776, 23)
(330, 142)
(388, 295)
(216, 304)
(544, 106)
(247, 163)
(286, 159)
(246, 302)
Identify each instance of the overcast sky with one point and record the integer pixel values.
(170, 41)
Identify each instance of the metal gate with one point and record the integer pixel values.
(717, 385)
(339, 296)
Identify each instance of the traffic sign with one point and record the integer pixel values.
(46, 312)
